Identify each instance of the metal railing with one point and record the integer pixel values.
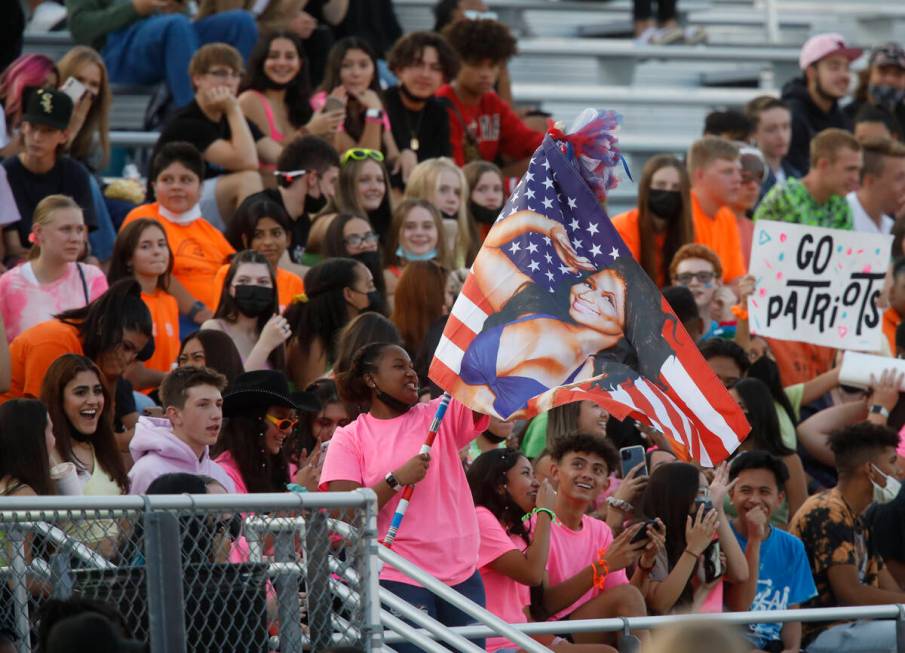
(198, 573)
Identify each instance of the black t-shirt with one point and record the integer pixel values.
(67, 177)
(374, 21)
(430, 125)
(887, 525)
(191, 125)
(299, 227)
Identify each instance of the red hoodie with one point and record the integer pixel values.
(497, 128)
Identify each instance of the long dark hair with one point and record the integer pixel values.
(23, 447)
(362, 330)
(303, 437)
(334, 245)
(760, 410)
(243, 437)
(355, 112)
(220, 352)
(644, 320)
(678, 232)
(487, 480)
(420, 296)
(669, 495)
(351, 383)
(240, 231)
(124, 249)
(298, 91)
(325, 312)
(228, 310)
(101, 323)
(766, 369)
(61, 372)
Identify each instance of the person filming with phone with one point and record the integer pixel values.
(699, 549)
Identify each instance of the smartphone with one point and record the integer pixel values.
(642, 535)
(333, 104)
(74, 89)
(631, 457)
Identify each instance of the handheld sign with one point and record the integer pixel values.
(818, 285)
(857, 369)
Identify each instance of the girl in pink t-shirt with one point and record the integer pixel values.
(511, 558)
(380, 449)
(51, 281)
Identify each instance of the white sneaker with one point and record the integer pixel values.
(47, 16)
(667, 35)
(694, 35)
(646, 36)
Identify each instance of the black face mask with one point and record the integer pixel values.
(666, 204)
(314, 205)
(482, 214)
(254, 301)
(392, 402)
(495, 439)
(450, 216)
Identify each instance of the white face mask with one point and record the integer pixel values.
(889, 492)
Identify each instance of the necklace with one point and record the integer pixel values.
(414, 143)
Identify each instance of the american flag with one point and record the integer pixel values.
(658, 378)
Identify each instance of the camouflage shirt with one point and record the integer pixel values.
(791, 202)
(832, 535)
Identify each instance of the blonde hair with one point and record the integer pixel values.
(97, 120)
(705, 151)
(826, 144)
(399, 215)
(422, 185)
(44, 216)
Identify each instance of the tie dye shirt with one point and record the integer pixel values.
(792, 202)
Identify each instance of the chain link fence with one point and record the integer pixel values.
(198, 574)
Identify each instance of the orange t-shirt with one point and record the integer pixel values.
(799, 362)
(720, 233)
(627, 226)
(33, 351)
(199, 249)
(288, 286)
(165, 320)
(891, 320)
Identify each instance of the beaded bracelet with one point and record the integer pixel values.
(600, 576)
(549, 512)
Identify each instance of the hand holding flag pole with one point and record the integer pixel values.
(407, 492)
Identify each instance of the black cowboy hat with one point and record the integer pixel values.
(253, 391)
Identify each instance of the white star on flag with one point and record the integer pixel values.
(595, 250)
(548, 183)
(532, 247)
(572, 203)
(534, 266)
(574, 224)
(548, 203)
(614, 253)
(515, 247)
(592, 228)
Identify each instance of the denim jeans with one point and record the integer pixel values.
(159, 48)
(101, 239)
(857, 637)
(428, 602)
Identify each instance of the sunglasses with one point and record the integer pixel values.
(284, 425)
(360, 154)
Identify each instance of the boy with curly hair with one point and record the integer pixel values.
(481, 125)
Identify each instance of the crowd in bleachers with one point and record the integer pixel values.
(260, 307)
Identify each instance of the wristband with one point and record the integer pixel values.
(374, 115)
(295, 487)
(600, 576)
(549, 513)
(620, 504)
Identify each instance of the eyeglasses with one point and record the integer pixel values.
(357, 240)
(284, 425)
(224, 73)
(687, 277)
(360, 154)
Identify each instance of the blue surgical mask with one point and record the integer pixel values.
(406, 255)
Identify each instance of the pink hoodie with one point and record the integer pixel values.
(156, 451)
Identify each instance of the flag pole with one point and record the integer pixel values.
(407, 491)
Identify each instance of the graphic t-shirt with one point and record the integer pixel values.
(25, 302)
(506, 597)
(784, 579)
(440, 531)
(792, 202)
(832, 535)
(199, 249)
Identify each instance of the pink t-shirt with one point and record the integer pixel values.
(440, 530)
(573, 551)
(506, 597)
(231, 467)
(24, 302)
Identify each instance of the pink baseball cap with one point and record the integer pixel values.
(823, 45)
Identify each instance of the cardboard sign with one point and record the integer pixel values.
(818, 285)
